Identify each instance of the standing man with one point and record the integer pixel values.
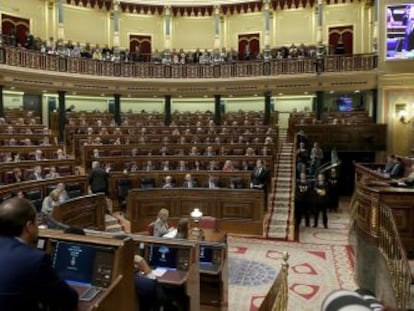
(260, 178)
(98, 179)
(27, 279)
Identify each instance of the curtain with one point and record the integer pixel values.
(253, 41)
(18, 24)
(341, 40)
(144, 43)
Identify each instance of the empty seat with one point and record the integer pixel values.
(35, 196)
(74, 190)
(124, 185)
(147, 182)
(208, 222)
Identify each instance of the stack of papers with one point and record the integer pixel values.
(170, 234)
(158, 272)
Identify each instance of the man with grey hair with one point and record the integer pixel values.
(98, 179)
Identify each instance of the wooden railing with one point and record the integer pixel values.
(32, 59)
(390, 245)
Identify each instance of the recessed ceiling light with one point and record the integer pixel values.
(356, 91)
(230, 95)
(306, 93)
(129, 95)
(73, 93)
(205, 96)
(331, 92)
(280, 94)
(102, 94)
(12, 87)
(44, 91)
(179, 96)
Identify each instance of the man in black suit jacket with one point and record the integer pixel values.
(98, 179)
(260, 176)
(27, 279)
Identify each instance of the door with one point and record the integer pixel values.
(144, 44)
(15, 25)
(341, 40)
(249, 46)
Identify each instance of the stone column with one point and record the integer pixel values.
(1, 102)
(318, 106)
(217, 109)
(375, 13)
(319, 28)
(116, 40)
(217, 32)
(117, 109)
(167, 109)
(61, 27)
(267, 28)
(167, 28)
(62, 116)
(374, 105)
(267, 107)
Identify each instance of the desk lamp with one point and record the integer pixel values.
(196, 215)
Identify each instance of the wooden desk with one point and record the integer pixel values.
(120, 293)
(173, 277)
(236, 210)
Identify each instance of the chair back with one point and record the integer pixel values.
(150, 229)
(208, 222)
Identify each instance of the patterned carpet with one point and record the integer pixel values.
(319, 263)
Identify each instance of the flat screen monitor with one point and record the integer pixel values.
(162, 256)
(344, 103)
(74, 262)
(400, 31)
(206, 254)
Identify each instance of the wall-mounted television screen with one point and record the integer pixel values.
(400, 31)
(344, 103)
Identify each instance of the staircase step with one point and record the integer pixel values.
(114, 228)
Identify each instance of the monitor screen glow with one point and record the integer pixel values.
(74, 262)
(400, 31)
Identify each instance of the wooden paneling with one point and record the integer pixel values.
(239, 210)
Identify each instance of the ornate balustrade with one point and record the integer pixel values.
(32, 59)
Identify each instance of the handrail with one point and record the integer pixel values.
(277, 297)
(12, 56)
(390, 245)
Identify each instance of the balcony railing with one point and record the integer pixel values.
(35, 60)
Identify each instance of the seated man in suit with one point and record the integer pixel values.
(37, 173)
(189, 182)
(27, 279)
(213, 182)
(397, 170)
(168, 183)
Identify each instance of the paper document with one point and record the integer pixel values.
(170, 234)
(159, 272)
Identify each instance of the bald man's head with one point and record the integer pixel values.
(15, 214)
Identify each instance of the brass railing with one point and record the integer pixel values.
(389, 244)
(33, 59)
(277, 297)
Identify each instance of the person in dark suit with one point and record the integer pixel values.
(397, 170)
(98, 179)
(302, 199)
(189, 182)
(212, 183)
(333, 185)
(260, 176)
(27, 279)
(320, 190)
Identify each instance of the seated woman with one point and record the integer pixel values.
(160, 225)
(50, 202)
(182, 229)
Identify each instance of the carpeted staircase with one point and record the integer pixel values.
(112, 224)
(279, 221)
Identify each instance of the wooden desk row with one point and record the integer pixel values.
(236, 210)
(63, 167)
(27, 152)
(36, 190)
